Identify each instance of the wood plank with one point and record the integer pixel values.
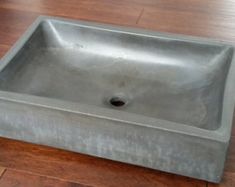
(12, 178)
(2, 169)
(3, 49)
(233, 127)
(194, 18)
(84, 169)
(230, 162)
(189, 22)
(228, 181)
(13, 24)
(217, 7)
(103, 11)
(48, 7)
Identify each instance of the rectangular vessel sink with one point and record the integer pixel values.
(157, 100)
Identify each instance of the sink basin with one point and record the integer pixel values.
(157, 100)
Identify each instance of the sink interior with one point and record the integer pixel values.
(158, 77)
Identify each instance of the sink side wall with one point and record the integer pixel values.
(157, 149)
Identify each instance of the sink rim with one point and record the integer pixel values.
(220, 134)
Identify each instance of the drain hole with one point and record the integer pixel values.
(117, 102)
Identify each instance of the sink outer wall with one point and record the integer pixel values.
(168, 149)
(144, 146)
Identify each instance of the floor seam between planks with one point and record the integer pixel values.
(42, 175)
(139, 17)
(2, 171)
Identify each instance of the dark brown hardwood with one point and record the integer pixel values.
(23, 164)
(2, 169)
(82, 168)
(25, 179)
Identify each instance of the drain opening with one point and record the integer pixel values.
(117, 102)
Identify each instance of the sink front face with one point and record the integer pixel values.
(158, 77)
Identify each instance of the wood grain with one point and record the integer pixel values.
(105, 11)
(230, 162)
(84, 169)
(13, 24)
(13, 178)
(3, 49)
(228, 181)
(2, 169)
(215, 19)
(188, 22)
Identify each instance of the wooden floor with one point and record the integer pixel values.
(27, 165)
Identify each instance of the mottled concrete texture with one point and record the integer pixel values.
(151, 99)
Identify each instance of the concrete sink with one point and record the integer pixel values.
(151, 99)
